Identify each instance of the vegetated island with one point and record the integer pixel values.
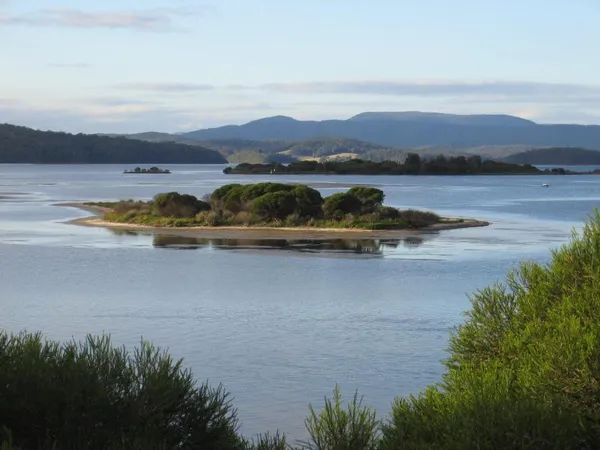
(151, 170)
(413, 165)
(268, 207)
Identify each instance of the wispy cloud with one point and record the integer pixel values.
(156, 20)
(70, 65)
(468, 91)
(496, 89)
(170, 87)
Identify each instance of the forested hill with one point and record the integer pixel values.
(561, 156)
(24, 145)
(412, 130)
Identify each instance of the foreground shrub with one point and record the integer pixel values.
(94, 396)
(338, 428)
(524, 368)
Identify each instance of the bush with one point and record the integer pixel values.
(221, 192)
(92, 395)
(523, 369)
(232, 201)
(341, 203)
(354, 428)
(253, 191)
(417, 219)
(174, 204)
(387, 212)
(370, 198)
(274, 206)
(309, 201)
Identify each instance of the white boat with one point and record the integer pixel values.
(545, 185)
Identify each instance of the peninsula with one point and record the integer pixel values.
(268, 209)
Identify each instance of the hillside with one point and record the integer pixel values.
(25, 145)
(411, 130)
(556, 156)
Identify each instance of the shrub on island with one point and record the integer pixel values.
(269, 204)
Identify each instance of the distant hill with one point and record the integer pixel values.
(414, 129)
(564, 156)
(440, 118)
(25, 145)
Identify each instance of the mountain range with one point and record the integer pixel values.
(413, 129)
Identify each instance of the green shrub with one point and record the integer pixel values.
(309, 201)
(336, 428)
(253, 191)
(417, 219)
(274, 206)
(341, 202)
(92, 395)
(174, 204)
(221, 192)
(523, 369)
(232, 201)
(387, 212)
(371, 198)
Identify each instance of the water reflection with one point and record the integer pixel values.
(367, 247)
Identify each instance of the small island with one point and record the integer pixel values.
(269, 207)
(151, 170)
(413, 165)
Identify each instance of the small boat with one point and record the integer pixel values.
(545, 185)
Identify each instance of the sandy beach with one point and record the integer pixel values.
(236, 232)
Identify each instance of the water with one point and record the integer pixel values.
(279, 323)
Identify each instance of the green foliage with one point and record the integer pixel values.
(24, 145)
(371, 198)
(523, 369)
(253, 191)
(92, 395)
(309, 201)
(174, 204)
(220, 193)
(270, 205)
(337, 205)
(274, 206)
(336, 428)
(417, 219)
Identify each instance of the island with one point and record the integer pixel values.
(271, 210)
(412, 165)
(151, 170)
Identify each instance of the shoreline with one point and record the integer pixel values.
(240, 232)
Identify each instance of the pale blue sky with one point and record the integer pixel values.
(174, 65)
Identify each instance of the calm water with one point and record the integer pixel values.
(277, 322)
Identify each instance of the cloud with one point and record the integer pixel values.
(170, 87)
(486, 89)
(156, 20)
(70, 65)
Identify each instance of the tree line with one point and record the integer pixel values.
(412, 165)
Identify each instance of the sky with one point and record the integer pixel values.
(127, 66)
